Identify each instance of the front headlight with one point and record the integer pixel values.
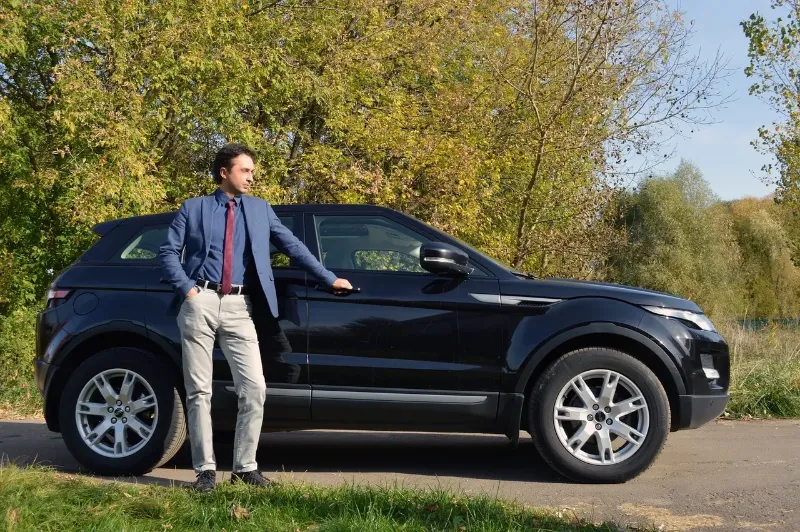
(701, 321)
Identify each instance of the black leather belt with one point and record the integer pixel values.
(236, 289)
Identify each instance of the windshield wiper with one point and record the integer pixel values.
(524, 275)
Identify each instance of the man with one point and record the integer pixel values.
(226, 237)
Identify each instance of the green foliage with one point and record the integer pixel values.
(479, 118)
(771, 278)
(735, 259)
(765, 372)
(774, 53)
(17, 341)
(681, 241)
(505, 123)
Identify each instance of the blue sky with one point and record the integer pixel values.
(722, 150)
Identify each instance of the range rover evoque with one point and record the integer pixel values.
(435, 337)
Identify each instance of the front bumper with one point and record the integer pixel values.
(697, 410)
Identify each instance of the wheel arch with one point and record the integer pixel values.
(85, 346)
(611, 336)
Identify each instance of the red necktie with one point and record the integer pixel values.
(227, 257)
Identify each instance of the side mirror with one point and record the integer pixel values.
(441, 258)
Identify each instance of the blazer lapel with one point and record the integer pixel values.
(208, 205)
(250, 217)
(257, 226)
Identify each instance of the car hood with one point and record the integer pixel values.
(555, 288)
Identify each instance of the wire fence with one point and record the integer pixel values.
(769, 323)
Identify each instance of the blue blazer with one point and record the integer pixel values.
(192, 228)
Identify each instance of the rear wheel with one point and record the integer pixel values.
(121, 414)
(599, 415)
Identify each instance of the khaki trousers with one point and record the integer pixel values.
(201, 319)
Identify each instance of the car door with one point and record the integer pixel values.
(283, 348)
(387, 355)
(480, 331)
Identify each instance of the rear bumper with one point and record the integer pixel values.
(44, 372)
(697, 410)
(40, 371)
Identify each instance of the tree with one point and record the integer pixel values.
(771, 281)
(680, 240)
(774, 52)
(583, 87)
(504, 122)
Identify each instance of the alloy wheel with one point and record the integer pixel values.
(601, 417)
(116, 413)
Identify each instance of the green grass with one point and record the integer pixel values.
(765, 372)
(41, 499)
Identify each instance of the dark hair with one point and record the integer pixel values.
(225, 155)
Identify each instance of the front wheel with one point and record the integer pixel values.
(599, 415)
(121, 414)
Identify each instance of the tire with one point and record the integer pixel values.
(154, 425)
(595, 458)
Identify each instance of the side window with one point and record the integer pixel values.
(374, 259)
(144, 246)
(277, 258)
(368, 243)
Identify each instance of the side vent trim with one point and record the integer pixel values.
(514, 300)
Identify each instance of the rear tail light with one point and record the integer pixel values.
(56, 296)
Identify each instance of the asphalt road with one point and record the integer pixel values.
(725, 476)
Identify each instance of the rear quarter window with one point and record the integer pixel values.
(144, 246)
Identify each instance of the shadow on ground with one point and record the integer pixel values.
(448, 455)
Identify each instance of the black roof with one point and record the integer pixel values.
(165, 217)
(332, 207)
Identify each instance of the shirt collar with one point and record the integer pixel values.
(223, 198)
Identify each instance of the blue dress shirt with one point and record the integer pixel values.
(243, 264)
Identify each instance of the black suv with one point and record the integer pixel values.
(438, 337)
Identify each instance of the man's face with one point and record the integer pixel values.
(239, 178)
